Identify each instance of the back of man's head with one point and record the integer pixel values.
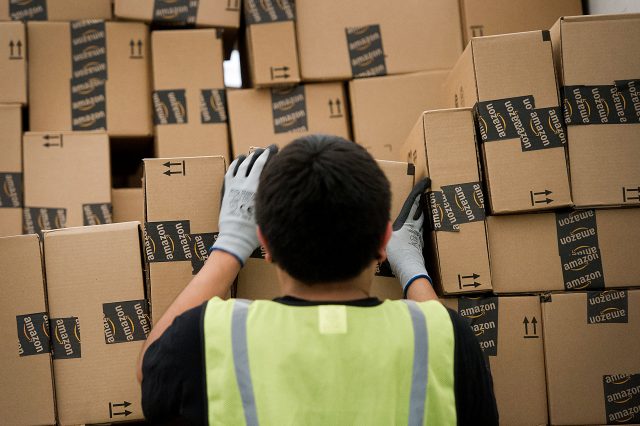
(323, 206)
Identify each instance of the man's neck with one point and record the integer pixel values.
(353, 289)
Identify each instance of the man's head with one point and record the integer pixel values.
(323, 208)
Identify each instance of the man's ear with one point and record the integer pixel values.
(263, 243)
(382, 251)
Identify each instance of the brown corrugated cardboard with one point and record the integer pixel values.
(278, 116)
(66, 180)
(340, 40)
(25, 361)
(54, 10)
(99, 321)
(509, 330)
(204, 13)
(270, 36)
(602, 108)
(510, 81)
(13, 65)
(128, 204)
(258, 279)
(442, 145)
(182, 205)
(88, 75)
(11, 194)
(579, 250)
(492, 17)
(383, 109)
(190, 114)
(591, 349)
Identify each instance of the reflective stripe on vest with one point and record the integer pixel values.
(415, 383)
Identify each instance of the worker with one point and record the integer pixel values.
(326, 352)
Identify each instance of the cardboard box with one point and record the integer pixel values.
(442, 145)
(54, 10)
(202, 13)
(578, 250)
(510, 81)
(383, 109)
(591, 349)
(190, 114)
(492, 17)
(182, 207)
(271, 42)
(13, 66)
(88, 75)
(99, 321)
(128, 204)
(509, 330)
(11, 192)
(25, 360)
(66, 180)
(363, 38)
(280, 115)
(602, 106)
(258, 279)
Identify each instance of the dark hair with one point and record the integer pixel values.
(323, 206)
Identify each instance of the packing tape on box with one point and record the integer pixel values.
(172, 241)
(126, 321)
(33, 334)
(482, 315)
(455, 205)
(618, 103)
(97, 214)
(175, 12)
(579, 250)
(608, 306)
(33, 10)
(89, 75)
(37, 219)
(289, 109)
(11, 190)
(511, 118)
(622, 398)
(265, 11)
(366, 54)
(213, 106)
(170, 106)
(65, 338)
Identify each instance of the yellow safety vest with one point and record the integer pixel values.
(273, 364)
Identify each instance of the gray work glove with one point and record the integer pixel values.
(404, 250)
(237, 225)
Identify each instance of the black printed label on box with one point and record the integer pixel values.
(517, 117)
(201, 247)
(384, 270)
(213, 106)
(618, 103)
(170, 107)
(126, 321)
(289, 108)
(579, 250)
(177, 12)
(65, 336)
(264, 11)
(33, 334)
(466, 200)
(366, 54)
(609, 306)
(622, 398)
(10, 190)
(482, 314)
(97, 214)
(88, 104)
(258, 253)
(168, 241)
(88, 50)
(441, 213)
(37, 219)
(30, 10)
